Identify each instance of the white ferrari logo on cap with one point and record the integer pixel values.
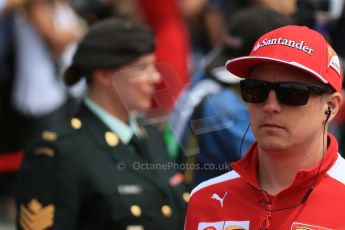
(333, 60)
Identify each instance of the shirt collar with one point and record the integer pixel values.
(247, 167)
(123, 130)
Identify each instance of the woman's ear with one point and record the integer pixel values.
(103, 77)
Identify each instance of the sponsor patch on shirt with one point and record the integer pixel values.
(224, 225)
(301, 226)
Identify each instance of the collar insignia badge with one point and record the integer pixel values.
(35, 216)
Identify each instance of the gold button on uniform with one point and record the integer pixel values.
(76, 123)
(49, 136)
(186, 196)
(111, 139)
(143, 132)
(166, 211)
(136, 210)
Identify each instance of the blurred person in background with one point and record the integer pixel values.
(93, 11)
(36, 43)
(210, 118)
(173, 49)
(46, 32)
(172, 43)
(102, 169)
(208, 20)
(337, 32)
(205, 26)
(8, 6)
(10, 153)
(286, 8)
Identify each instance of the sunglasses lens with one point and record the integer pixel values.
(292, 93)
(288, 93)
(253, 91)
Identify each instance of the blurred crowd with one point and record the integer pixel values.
(196, 105)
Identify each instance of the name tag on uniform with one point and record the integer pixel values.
(135, 227)
(129, 189)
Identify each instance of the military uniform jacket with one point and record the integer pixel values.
(81, 176)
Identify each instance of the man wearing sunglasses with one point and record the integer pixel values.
(292, 177)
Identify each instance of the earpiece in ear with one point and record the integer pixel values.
(329, 111)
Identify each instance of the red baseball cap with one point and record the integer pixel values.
(295, 46)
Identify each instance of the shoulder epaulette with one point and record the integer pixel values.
(62, 130)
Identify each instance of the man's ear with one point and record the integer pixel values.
(333, 101)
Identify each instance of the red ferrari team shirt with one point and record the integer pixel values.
(235, 200)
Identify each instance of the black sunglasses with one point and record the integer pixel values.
(288, 93)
